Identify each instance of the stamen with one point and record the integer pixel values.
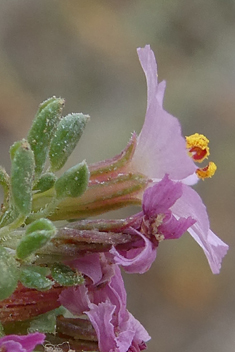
(159, 237)
(157, 222)
(197, 144)
(207, 171)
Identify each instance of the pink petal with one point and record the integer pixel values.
(140, 333)
(117, 286)
(10, 346)
(155, 90)
(136, 260)
(160, 148)
(100, 317)
(190, 204)
(133, 334)
(213, 247)
(175, 228)
(22, 343)
(124, 340)
(159, 198)
(160, 92)
(149, 66)
(191, 180)
(95, 266)
(113, 292)
(127, 332)
(75, 299)
(89, 265)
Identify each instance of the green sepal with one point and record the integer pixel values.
(66, 137)
(101, 197)
(44, 125)
(32, 242)
(65, 276)
(45, 182)
(35, 277)
(22, 173)
(116, 164)
(46, 323)
(73, 183)
(41, 224)
(9, 274)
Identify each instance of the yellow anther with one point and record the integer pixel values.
(207, 171)
(197, 144)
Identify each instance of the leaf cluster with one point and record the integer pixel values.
(34, 163)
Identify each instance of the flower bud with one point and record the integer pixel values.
(66, 138)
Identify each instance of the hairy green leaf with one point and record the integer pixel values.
(66, 138)
(41, 132)
(73, 182)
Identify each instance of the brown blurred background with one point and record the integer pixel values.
(85, 51)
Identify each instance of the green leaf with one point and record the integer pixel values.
(41, 224)
(66, 138)
(65, 276)
(1, 330)
(4, 182)
(9, 274)
(35, 277)
(46, 323)
(14, 148)
(22, 173)
(41, 132)
(74, 182)
(45, 182)
(9, 216)
(32, 242)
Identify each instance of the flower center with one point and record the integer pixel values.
(149, 228)
(157, 222)
(197, 145)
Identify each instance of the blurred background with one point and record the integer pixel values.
(85, 51)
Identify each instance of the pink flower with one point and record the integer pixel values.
(161, 150)
(105, 305)
(155, 223)
(21, 343)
